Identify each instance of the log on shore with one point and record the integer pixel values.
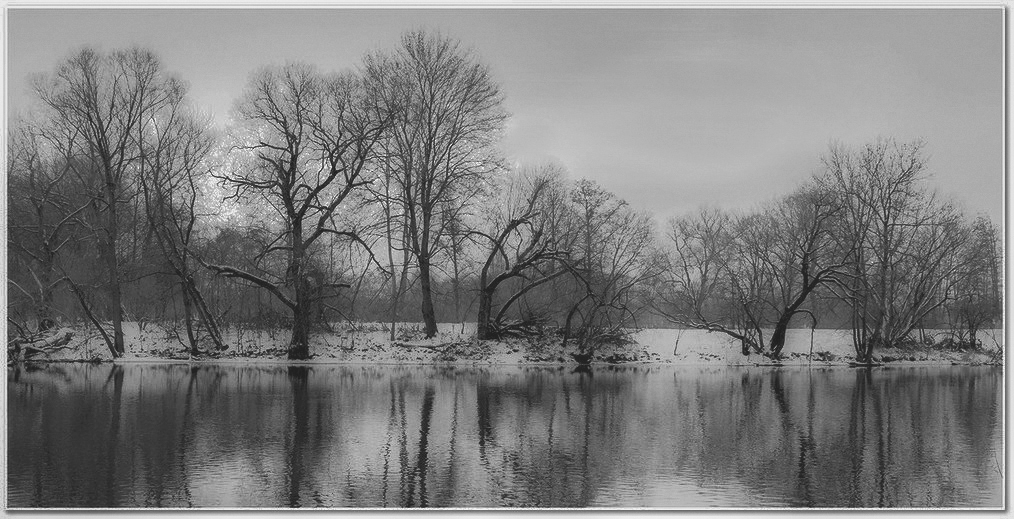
(430, 346)
(22, 348)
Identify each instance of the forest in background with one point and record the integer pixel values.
(378, 194)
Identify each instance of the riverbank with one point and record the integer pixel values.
(456, 345)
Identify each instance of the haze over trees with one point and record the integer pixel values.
(866, 231)
(378, 193)
(743, 274)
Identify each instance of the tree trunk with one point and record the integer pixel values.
(395, 297)
(210, 322)
(113, 267)
(45, 310)
(482, 323)
(188, 316)
(299, 346)
(777, 341)
(456, 284)
(429, 316)
(866, 351)
(567, 324)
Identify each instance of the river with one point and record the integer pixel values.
(206, 435)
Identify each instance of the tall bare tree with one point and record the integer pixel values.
(799, 253)
(447, 114)
(906, 240)
(386, 196)
(103, 98)
(310, 136)
(174, 147)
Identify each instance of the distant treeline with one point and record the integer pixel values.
(378, 193)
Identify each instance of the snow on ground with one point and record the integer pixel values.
(367, 343)
(828, 347)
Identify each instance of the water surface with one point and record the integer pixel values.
(176, 435)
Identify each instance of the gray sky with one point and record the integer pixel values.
(668, 108)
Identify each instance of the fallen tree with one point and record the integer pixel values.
(45, 343)
(438, 347)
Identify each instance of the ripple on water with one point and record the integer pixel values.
(367, 436)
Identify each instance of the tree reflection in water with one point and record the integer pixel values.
(339, 436)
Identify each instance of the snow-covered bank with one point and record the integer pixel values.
(456, 345)
(833, 347)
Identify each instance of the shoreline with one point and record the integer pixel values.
(260, 361)
(371, 345)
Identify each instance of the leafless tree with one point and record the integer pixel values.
(456, 252)
(611, 260)
(902, 267)
(43, 211)
(977, 300)
(310, 136)
(518, 246)
(103, 98)
(707, 281)
(387, 196)
(174, 148)
(742, 275)
(447, 114)
(800, 253)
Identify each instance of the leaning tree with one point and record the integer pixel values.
(521, 252)
(174, 167)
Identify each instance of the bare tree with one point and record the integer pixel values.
(743, 275)
(447, 114)
(103, 99)
(174, 147)
(43, 213)
(518, 244)
(387, 196)
(906, 241)
(311, 136)
(457, 238)
(976, 301)
(611, 260)
(800, 253)
(708, 282)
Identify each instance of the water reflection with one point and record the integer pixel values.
(337, 436)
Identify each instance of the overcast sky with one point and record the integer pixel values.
(668, 108)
